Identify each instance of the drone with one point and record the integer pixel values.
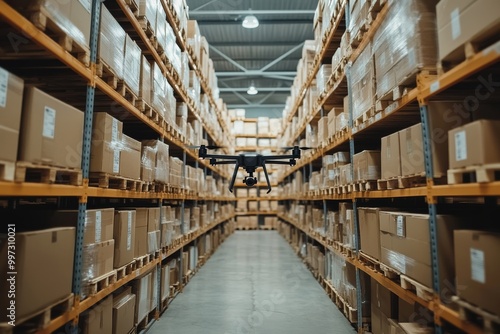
(250, 162)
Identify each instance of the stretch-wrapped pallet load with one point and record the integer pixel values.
(111, 43)
(147, 13)
(145, 81)
(404, 44)
(161, 30)
(158, 82)
(161, 159)
(363, 83)
(132, 62)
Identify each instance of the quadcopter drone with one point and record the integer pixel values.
(249, 162)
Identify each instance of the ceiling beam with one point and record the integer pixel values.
(229, 21)
(255, 106)
(257, 73)
(226, 57)
(255, 43)
(254, 12)
(283, 56)
(260, 89)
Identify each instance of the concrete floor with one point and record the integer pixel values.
(253, 284)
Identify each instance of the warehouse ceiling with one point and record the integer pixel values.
(265, 56)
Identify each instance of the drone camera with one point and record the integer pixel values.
(250, 181)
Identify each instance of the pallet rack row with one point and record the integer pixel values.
(410, 108)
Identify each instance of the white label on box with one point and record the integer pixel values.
(98, 226)
(348, 214)
(477, 265)
(400, 226)
(455, 24)
(460, 146)
(116, 161)
(49, 123)
(129, 230)
(4, 81)
(114, 130)
(87, 4)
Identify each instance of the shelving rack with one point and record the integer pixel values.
(410, 109)
(91, 92)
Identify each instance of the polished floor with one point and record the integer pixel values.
(253, 284)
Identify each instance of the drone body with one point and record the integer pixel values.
(250, 163)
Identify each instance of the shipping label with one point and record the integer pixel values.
(477, 265)
(460, 146)
(4, 81)
(49, 123)
(98, 226)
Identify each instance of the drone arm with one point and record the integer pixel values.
(267, 177)
(233, 179)
(224, 162)
(274, 157)
(220, 156)
(278, 162)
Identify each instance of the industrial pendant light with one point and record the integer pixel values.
(252, 90)
(250, 21)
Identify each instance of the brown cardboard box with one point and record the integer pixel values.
(123, 312)
(106, 128)
(369, 230)
(51, 130)
(154, 241)
(253, 206)
(153, 291)
(145, 81)
(36, 287)
(148, 157)
(130, 158)
(98, 223)
(98, 260)
(323, 130)
(99, 319)
(80, 16)
(384, 300)
(153, 219)
(476, 262)
(105, 157)
(141, 232)
(457, 23)
(470, 144)
(405, 245)
(366, 165)
(142, 289)
(124, 236)
(165, 282)
(390, 156)
(412, 150)
(11, 102)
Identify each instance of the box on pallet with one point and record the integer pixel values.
(123, 311)
(37, 287)
(369, 231)
(51, 131)
(132, 65)
(384, 306)
(98, 319)
(363, 83)
(98, 260)
(161, 161)
(458, 24)
(124, 236)
(130, 158)
(390, 156)
(111, 43)
(142, 289)
(11, 103)
(412, 150)
(477, 273)
(366, 165)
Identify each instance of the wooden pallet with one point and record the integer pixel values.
(469, 50)
(105, 180)
(364, 27)
(489, 322)
(483, 173)
(149, 111)
(133, 6)
(389, 272)
(124, 90)
(142, 261)
(40, 319)
(97, 284)
(7, 170)
(364, 185)
(402, 182)
(420, 290)
(146, 321)
(31, 172)
(106, 73)
(47, 22)
(125, 270)
(369, 261)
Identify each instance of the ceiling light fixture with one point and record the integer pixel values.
(252, 90)
(250, 22)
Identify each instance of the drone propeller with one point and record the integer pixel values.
(208, 147)
(287, 148)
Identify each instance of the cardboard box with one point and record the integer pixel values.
(390, 156)
(124, 236)
(11, 103)
(366, 165)
(165, 282)
(105, 157)
(148, 156)
(130, 158)
(154, 239)
(153, 292)
(98, 223)
(132, 65)
(405, 244)
(457, 23)
(99, 319)
(106, 128)
(141, 232)
(123, 312)
(384, 300)
(471, 144)
(142, 289)
(412, 150)
(153, 219)
(476, 254)
(369, 231)
(36, 287)
(51, 131)
(98, 260)
(111, 42)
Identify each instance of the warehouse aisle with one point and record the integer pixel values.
(253, 284)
